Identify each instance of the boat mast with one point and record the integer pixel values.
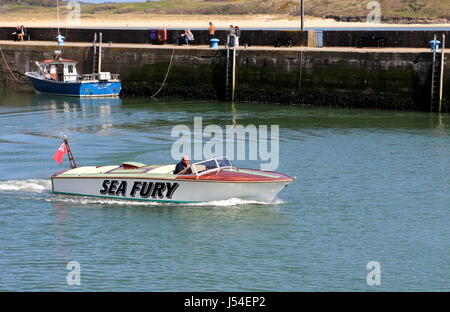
(94, 61)
(100, 53)
(58, 36)
(57, 12)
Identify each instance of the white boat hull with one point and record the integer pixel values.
(167, 190)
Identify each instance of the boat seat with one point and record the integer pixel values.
(89, 170)
(132, 165)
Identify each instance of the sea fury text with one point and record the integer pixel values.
(139, 189)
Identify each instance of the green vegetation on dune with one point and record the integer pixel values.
(391, 10)
(347, 10)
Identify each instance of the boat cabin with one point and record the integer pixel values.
(59, 70)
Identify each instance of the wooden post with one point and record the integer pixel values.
(301, 70)
(441, 83)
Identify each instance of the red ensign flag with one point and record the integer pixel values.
(59, 155)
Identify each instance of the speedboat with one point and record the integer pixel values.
(211, 180)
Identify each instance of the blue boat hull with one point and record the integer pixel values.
(80, 89)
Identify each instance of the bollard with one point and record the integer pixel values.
(214, 43)
(434, 45)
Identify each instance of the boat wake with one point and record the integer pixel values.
(27, 186)
(122, 202)
(34, 187)
(236, 202)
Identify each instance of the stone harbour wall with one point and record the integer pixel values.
(357, 79)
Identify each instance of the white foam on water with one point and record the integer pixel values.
(235, 202)
(28, 186)
(123, 202)
(98, 200)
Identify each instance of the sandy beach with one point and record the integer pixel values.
(138, 20)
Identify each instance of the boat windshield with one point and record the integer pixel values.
(210, 165)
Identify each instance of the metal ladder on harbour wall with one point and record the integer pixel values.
(230, 79)
(437, 77)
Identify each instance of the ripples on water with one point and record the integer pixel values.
(372, 185)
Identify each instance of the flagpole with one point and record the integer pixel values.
(73, 164)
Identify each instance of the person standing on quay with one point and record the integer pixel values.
(231, 36)
(21, 33)
(237, 35)
(211, 31)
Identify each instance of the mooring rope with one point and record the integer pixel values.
(7, 65)
(167, 74)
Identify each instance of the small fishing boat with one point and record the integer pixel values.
(211, 180)
(60, 77)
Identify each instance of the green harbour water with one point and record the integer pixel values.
(372, 185)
